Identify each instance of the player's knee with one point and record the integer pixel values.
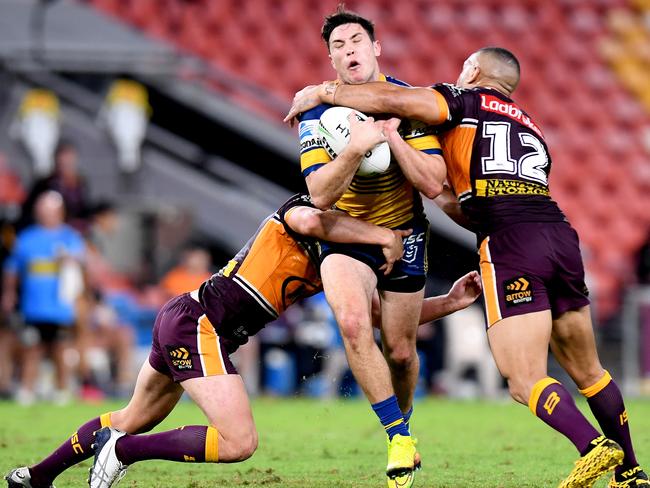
(354, 326)
(246, 445)
(402, 358)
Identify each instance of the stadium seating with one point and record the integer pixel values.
(593, 115)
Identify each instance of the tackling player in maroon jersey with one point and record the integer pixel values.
(497, 168)
(194, 335)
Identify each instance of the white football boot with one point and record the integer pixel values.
(20, 478)
(106, 470)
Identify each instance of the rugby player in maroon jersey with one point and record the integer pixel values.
(196, 332)
(531, 267)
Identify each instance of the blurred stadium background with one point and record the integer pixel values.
(172, 110)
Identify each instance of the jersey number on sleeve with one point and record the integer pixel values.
(530, 166)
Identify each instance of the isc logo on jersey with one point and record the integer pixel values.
(334, 131)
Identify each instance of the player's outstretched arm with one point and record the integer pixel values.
(462, 294)
(422, 104)
(335, 226)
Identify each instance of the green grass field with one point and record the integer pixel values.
(306, 443)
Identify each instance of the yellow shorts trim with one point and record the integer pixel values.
(488, 276)
(105, 420)
(208, 343)
(212, 445)
(539, 387)
(598, 386)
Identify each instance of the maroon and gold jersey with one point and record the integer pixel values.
(273, 270)
(497, 159)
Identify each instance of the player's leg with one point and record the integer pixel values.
(229, 437)
(520, 348)
(520, 341)
(349, 285)
(574, 346)
(154, 397)
(520, 345)
(198, 359)
(400, 314)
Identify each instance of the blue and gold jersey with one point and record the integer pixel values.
(386, 199)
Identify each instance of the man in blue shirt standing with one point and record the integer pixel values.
(43, 275)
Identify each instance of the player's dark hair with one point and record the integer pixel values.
(341, 17)
(502, 55)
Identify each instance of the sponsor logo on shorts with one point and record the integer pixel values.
(497, 188)
(518, 291)
(180, 357)
(411, 244)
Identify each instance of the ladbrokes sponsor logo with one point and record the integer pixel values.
(518, 291)
(493, 104)
(180, 357)
(497, 188)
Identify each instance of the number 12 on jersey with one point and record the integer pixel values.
(530, 166)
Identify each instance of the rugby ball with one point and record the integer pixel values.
(334, 132)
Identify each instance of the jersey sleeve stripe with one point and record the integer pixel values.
(311, 169)
(443, 106)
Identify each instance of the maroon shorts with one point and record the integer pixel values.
(185, 344)
(532, 267)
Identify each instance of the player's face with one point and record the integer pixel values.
(469, 72)
(354, 54)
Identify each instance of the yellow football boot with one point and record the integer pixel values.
(632, 478)
(403, 461)
(604, 456)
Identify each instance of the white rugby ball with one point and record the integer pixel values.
(334, 131)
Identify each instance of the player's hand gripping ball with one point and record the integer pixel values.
(334, 130)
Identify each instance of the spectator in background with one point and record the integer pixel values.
(45, 262)
(105, 335)
(192, 270)
(66, 180)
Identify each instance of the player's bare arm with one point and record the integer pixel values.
(448, 203)
(422, 104)
(426, 172)
(329, 183)
(335, 226)
(462, 294)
